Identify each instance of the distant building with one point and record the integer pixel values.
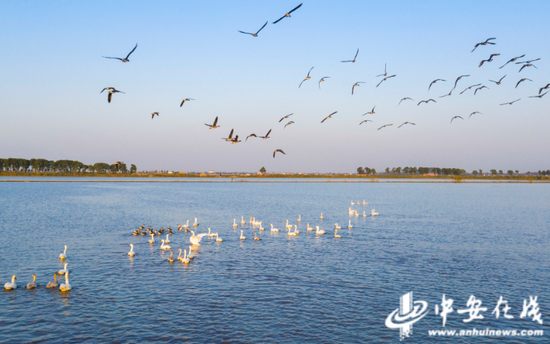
(211, 172)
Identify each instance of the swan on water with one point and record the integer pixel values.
(352, 203)
(185, 260)
(180, 258)
(65, 286)
(288, 226)
(321, 216)
(62, 272)
(243, 222)
(273, 229)
(373, 213)
(53, 284)
(356, 213)
(364, 214)
(257, 238)
(167, 241)
(299, 218)
(211, 235)
(186, 226)
(11, 285)
(152, 241)
(296, 229)
(335, 234)
(261, 228)
(350, 212)
(364, 203)
(163, 246)
(350, 225)
(291, 233)
(336, 226)
(196, 239)
(235, 223)
(218, 239)
(32, 284)
(242, 236)
(309, 228)
(131, 253)
(190, 255)
(196, 223)
(319, 232)
(64, 254)
(171, 258)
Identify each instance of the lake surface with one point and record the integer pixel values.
(486, 240)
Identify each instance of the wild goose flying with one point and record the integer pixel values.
(323, 79)
(385, 125)
(251, 135)
(484, 43)
(522, 80)
(111, 91)
(456, 117)
(447, 95)
(266, 135)
(329, 116)
(528, 61)
(214, 125)
(460, 77)
(366, 120)
(386, 78)
(544, 88)
(406, 98)
(480, 88)
(385, 72)
(278, 151)
(498, 82)
(470, 87)
(405, 123)
(288, 14)
(426, 101)
(512, 102)
(514, 59)
(356, 84)
(185, 100)
(230, 138)
(539, 96)
(235, 140)
(287, 116)
(307, 78)
(433, 82)
(253, 34)
(371, 112)
(352, 61)
(289, 123)
(527, 65)
(490, 59)
(473, 113)
(153, 114)
(123, 59)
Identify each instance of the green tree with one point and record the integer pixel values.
(373, 171)
(510, 173)
(133, 168)
(262, 170)
(517, 171)
(480, 171)
(360, 170)
(500, 172)
(494, 172)
(398, 170)
(474, 172)
(387, 170)
(368, 170)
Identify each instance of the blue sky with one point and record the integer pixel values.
(52, 72)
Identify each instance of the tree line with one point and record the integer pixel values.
(61, 166)
(414, 171)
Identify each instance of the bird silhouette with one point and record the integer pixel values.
(329, 116)
(512, 102)
(455, 117)
(278, 151)
(323, 79)
(185, 100)
(514, 59)
(214, 125)
(287, 15)
(484, 43)
(522, 80)
(354, 58)
(405, 123)
(433, 82)
(253, 34)
(498, 82)
(307, 78)
(426, 101)
(123, 59)
(356, 84)
(406, 98)
(490, 59)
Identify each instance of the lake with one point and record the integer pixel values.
(434, 239)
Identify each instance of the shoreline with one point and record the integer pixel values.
(281, 180)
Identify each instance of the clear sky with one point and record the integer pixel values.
(52, 71)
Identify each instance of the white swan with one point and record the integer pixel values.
(336, 235)
(319, 232)
(190, 255)
(167, 241)
(196, 239)
(65, 286)
(32, 284)
(218, 239)
(292, 233)
(243, 222)
(352, 203)
(356, 213)
(273, 229)
(196, 223)
(186, 226)
(180, 258)
(287, 225)
(211, 235)
(62, 272)
(235, 223)
(242, 236)
(350, 212)
(152, 241)
(373, 213)
(11, 285)
(309, 229)
(64, 254)
(257, 238)
(336, 226)
(296, 230)
(185, 260)
(364, 203)
(53, 284)
(163, 246)
(299, 218)
(349, 225)
(364, 214)
(261, 228)
(321, 216)
(171, 258)
(131, 253)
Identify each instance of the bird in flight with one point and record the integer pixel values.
(123, 59)
(498, 82)
(253, 34)
(214, 125)
(329, 116)
(490, 59)
(514, 59)
(251, 135)
(235, 140)
(278, 151)
(185, 100)
(512, 102)
(385, 72)
(111, 91)
(323, 79)
(266, 135)
(153, 114)
(288, 14)
(108, 89)
(230, 138)
(433, 82)
(289, 123)
(367, 120)
(470, 87)
(385, 125)
(426, 101)
(370, 113)
(287, 116)
(354, 58)
(356, 84)
(473, 113)
(527, 65)
(447, 95)
(460, 77)
(484, 43)
(540, 95)
(406, 98)
(386, 78)
(529, 61)
(455, 117)
(480, 88)
(307, 78)
(544, 88)
(522, 80)
(405, 123)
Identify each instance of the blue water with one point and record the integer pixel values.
(486, 240)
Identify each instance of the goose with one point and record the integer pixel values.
(131, 253)
(65, 286)
(218, 239)
(256, 237)
(336, 235)
(296, 230)
(190, 255)
(273, 229)
(243, 222)
(309, 229)
(321, 216)
(242, 236)
(53, 284)
(372, 213)
(261, 228)
(287, 225)
(336, 226)
(319, 232)
(196, 223)
(152, 241)
(163, 246)
(171, 258)
(11, 285)
(350, 225)
(62, 272)
(64, 254)
(167, 241)
(235, 223)
(299, 218)
(180, 258)
(32, 284)
(185, 260)
(196, 239)
(186, 226)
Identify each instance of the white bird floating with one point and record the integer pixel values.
(131, 253)
(319, 232)
(296, 229)
(186, 226)
(65, 286)
(180, 258)
(373, 213)
(196, 239)
(53, 284)
(350, 225)
(273, 229)
(336, 226)
(218, 239)
(356, 213)
(364, 214)
(352, 203)
(64, 254)
(185, 260)
(291, 233)
(242, 236)
(32, 284)
(11, 285)
(171, 258)
(335, 234)
(190, 255)
(288, 226)
(163, 246)
(256, 237)
(299, 218)
(167, 241)
(321, 216)
(196, 223)
(211, 235)
(62, 272)
(261, 228)
(235, 223)
(309, 228)
(152, 241)
(364, 203)
(243, 222)
(350, 212)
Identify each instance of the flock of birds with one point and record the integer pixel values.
(478, 87)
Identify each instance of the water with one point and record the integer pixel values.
(459, 240)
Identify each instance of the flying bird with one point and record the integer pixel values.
(279, 151)
(108, 89)
(405, 123)
(185, 100)
(371, 112)
(544, 88)
(153, 114)
(111, 91)
(385, 125)
(289, 123)
(323, 79)
(214, 125)
(460, 77)
(455, 117)
(433, 82)
(529, 61)
(356, 84)
(512, 60)
(253, 34)
(235, 140)
(367, 120)
(490, 59)
(230, 138)
(447, 95)
(386, 78)
(480, 88)
(406, 98)
(385, 72)
(540, 95)
(354, 58)
(288, 14)
(470, 87)
(473, 113)
(287, 116)
(484, 43)
(125, 59)
(329, 116)
(251, 135)
(522, 80)
(426, 101)
(498, 82)
(527, 65)
(307, 78)
(266, 135)
(512, 102)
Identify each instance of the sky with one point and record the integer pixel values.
(52, 72)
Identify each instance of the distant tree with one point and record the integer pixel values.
(510, 173)
(123, 168)
(517, 172)
(262, 170)
(102, 167)
(133, 168)
(368, 170)
(480, 171)
(474, 172)
(393, 170)
(398, 170)
(500, 172)
(373, 171)
(360, 170)
(387, 170)
(494, 172)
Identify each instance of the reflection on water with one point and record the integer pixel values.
(455, 239)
